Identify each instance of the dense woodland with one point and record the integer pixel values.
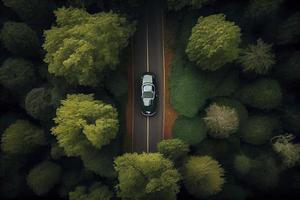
(234, 82)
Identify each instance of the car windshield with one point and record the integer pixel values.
(148, 95)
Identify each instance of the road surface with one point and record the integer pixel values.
(148, 55)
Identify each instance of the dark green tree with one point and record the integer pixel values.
(146, 176)
(97, 191)
(289, 30)
(22, 137)
(260, 9)
(179, 4)
(43, 177)
(173, 149)
(20, 39)
(84, 47)
(289, 69)
(213, 42)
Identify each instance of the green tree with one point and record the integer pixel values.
(173, 149)
(56, 151)
(257, 58)
(221, 121)
(83, 122)
(38, 103)
(289, 69)
(263, 94)
(33, 12)
(97, 191)
(146, 176)
(17, 75)
(190, 130)
(242, 164)
(289, 30)
(179, 4)
(84, 47)
(213, 42)
(20, 39)
(43, 177)
(259, 9)
(203, 176)
(22, 137)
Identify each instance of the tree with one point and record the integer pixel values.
(257, 58)
(146, 176)
(190, 130)
(257, 130)
(22, 137)
(173, 149)
(97, 191)
(213, 42)
(56, 151)
(84, 47)
(289, 70)
(289, 30)
(242, 164)
(38, 103)
(221, 121)
(17, 75)
(33, 12)
(179, 4)
(20, 39)
(203, 176)
(43, 177)
(291, 117)
(263, 94)
(259, 9)
(83, 122)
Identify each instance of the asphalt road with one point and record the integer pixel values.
(148, 57)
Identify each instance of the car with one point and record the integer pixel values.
(148, 94)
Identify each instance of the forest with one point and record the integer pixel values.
(234, 84)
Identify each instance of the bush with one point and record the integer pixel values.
(203, 176)
(43, 177)
(20, 39)
(146, 176)
(173, 149)
(257, 130)
(190, 130)
(213, 42)
(257, 58)
(221, 121)
(96, 191)
(17, 75)
(22, 138)
(83, 47)
(289, 30)
(38, 104)
(263, 94)
(242, 164)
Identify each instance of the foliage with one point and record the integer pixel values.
(20, 39)
(289, 152)
(56, 151)
(259, 9)
(117, 83)
(146, 176)
(221, 121)
(242, 164)
(96, 192)
(203, 176)
(42, 178)
(33, 12)
(291, 117)
(84, 47)
(173, 149)
(17, 75)
(289, 70)
(190, 130)
(22, 137)
(289, 30)
(179, 4)
(213, 42)
(83, 122)
(257, 58)
(263, 94)
(38, 103)
(257, 130)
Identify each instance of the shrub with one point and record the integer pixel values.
(257, 130)
(213, 42)
(221, 121)
(38, 103)
(289, 30)
(17, 75)
(289, 152)
(203, 176)
(146, 176)
(173, 149)
(259, 9)
(96, 191)
(190, 130)
(242, 164)
(263, 94)
(257, 58)
(22, 138)
(20, 39)
(84, 47)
